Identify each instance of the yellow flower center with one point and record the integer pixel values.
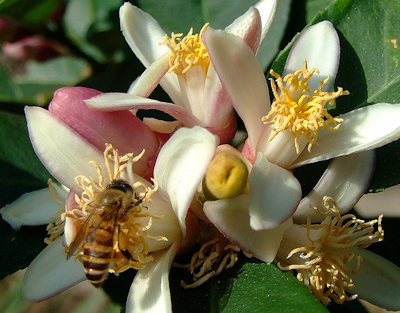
(323, 265)
(300, 109)
(186, 52)
(226, 177)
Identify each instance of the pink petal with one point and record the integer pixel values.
(345, 180)
(231, 217)
(50, 273)
(274, 194)
(123, 130)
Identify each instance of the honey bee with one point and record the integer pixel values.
(97, 234)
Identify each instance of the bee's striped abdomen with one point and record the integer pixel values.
(97, 253)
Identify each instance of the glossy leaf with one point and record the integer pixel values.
(249, 287)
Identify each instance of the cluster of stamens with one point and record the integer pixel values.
(214, 256)
(186, 52)
(323, 266)
(301, 110)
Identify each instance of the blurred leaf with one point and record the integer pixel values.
(39, 80)
(176, 15)
(93, 25)
(30, 13)
(368, 66)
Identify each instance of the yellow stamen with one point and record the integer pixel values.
(213, 257)
(186, 52)
(300, 109)
(323, 265)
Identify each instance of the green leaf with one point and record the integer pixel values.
(31, 13)
(16, 149)
(93, 25)
(176, 15)
(368, 32)
(40, 79)
(19, 248)
(247, 287)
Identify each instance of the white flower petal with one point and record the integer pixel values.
(248, 27)
(378, 281)
(150, 288)
(50, 273)
(114, 101)
(144, 85)
(274, 194)
(143, 34)
(242, 76)
(345, 180)
(318, 45)
(181, 166)
(363, 129)
(34, 208)
(267, 9)
(62, 151)
(231, 217)
(386, 202)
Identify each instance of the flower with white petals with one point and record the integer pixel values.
(298, 117)
(182, 67)
(326, 247)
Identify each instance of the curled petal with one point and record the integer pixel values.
(274, 194)
(124, 101)
(318, 45)
(62, 151)
(248, 27)
(363, 129)
(385, 202)
(378, 281)
(267, 9)
(50, 273)
(150, 288)
(231, 217)
(346, 179)
(242, 76)
(181, 166)
(34, 208)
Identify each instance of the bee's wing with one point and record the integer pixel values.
(80, 237)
